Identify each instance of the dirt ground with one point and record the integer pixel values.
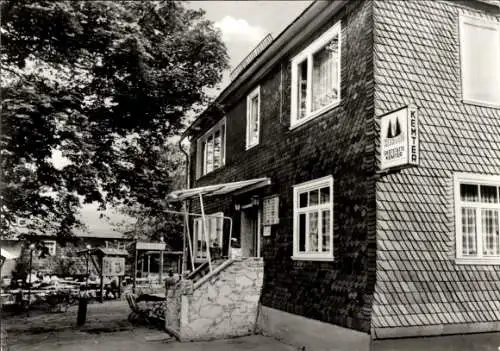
(107, 329)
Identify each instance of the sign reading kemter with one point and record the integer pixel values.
(399, 138)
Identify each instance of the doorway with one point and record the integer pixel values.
(250, 232)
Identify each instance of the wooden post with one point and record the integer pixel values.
(135, 269)
(161, 267)
(102, 278)
(119, 287)
(149, 265)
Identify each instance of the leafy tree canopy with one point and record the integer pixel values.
(105, 83)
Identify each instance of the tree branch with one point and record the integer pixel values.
(5, 8)
(19, 75)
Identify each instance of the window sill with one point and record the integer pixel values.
(214, 171)
(478, 261)
(481, 103)
(313, 258)
(298, 123)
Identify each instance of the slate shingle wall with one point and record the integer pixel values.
(340, 143)
(418, 283)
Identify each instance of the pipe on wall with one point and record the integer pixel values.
(187, 183)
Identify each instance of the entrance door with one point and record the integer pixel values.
(250, 233)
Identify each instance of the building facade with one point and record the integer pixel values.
(60, 259)
(388, 253)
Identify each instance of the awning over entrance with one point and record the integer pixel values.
(218, 189)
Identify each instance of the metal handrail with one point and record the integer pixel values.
(214, 216)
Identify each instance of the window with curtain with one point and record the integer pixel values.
(477, 211)
(312, 216)
(253, 118)
(316, 77)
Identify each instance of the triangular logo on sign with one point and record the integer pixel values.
(393, 129)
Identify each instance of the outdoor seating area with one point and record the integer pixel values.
(55, 294)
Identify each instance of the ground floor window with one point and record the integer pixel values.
(477, 212)
(214, 227)
(313, 220)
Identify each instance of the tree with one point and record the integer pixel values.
(153, 222)
(105, 83)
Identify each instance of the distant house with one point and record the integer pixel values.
(61, 257)
(294, 160)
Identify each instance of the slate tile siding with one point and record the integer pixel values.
(394, 236)
(338, 143)
(416, 60)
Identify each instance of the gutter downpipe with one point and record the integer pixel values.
(187, 159)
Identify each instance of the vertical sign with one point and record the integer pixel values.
(399, 139)
(271, 210)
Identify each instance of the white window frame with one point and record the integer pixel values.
(298, 189)
(476, 179)
(51, 245)
(307, 54)
(480, 22)
(213, 216)
(250, 97)
(201, 167)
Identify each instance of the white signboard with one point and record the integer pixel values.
(113, 266)
(150, 246)
(271, 210)
(399, 138)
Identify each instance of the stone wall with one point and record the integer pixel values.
(222, 304)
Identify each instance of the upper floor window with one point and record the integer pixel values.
(477, 211)
(253, 118)
(480, 60)
(316, 77)
(312, 220)
(212, 149)
(51, 247)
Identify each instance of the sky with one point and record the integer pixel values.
(243, 25)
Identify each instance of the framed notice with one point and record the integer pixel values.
(399, 138)
(266, 231)
(113, 266)
(270, 210)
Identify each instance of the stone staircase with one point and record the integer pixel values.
(219, 304)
